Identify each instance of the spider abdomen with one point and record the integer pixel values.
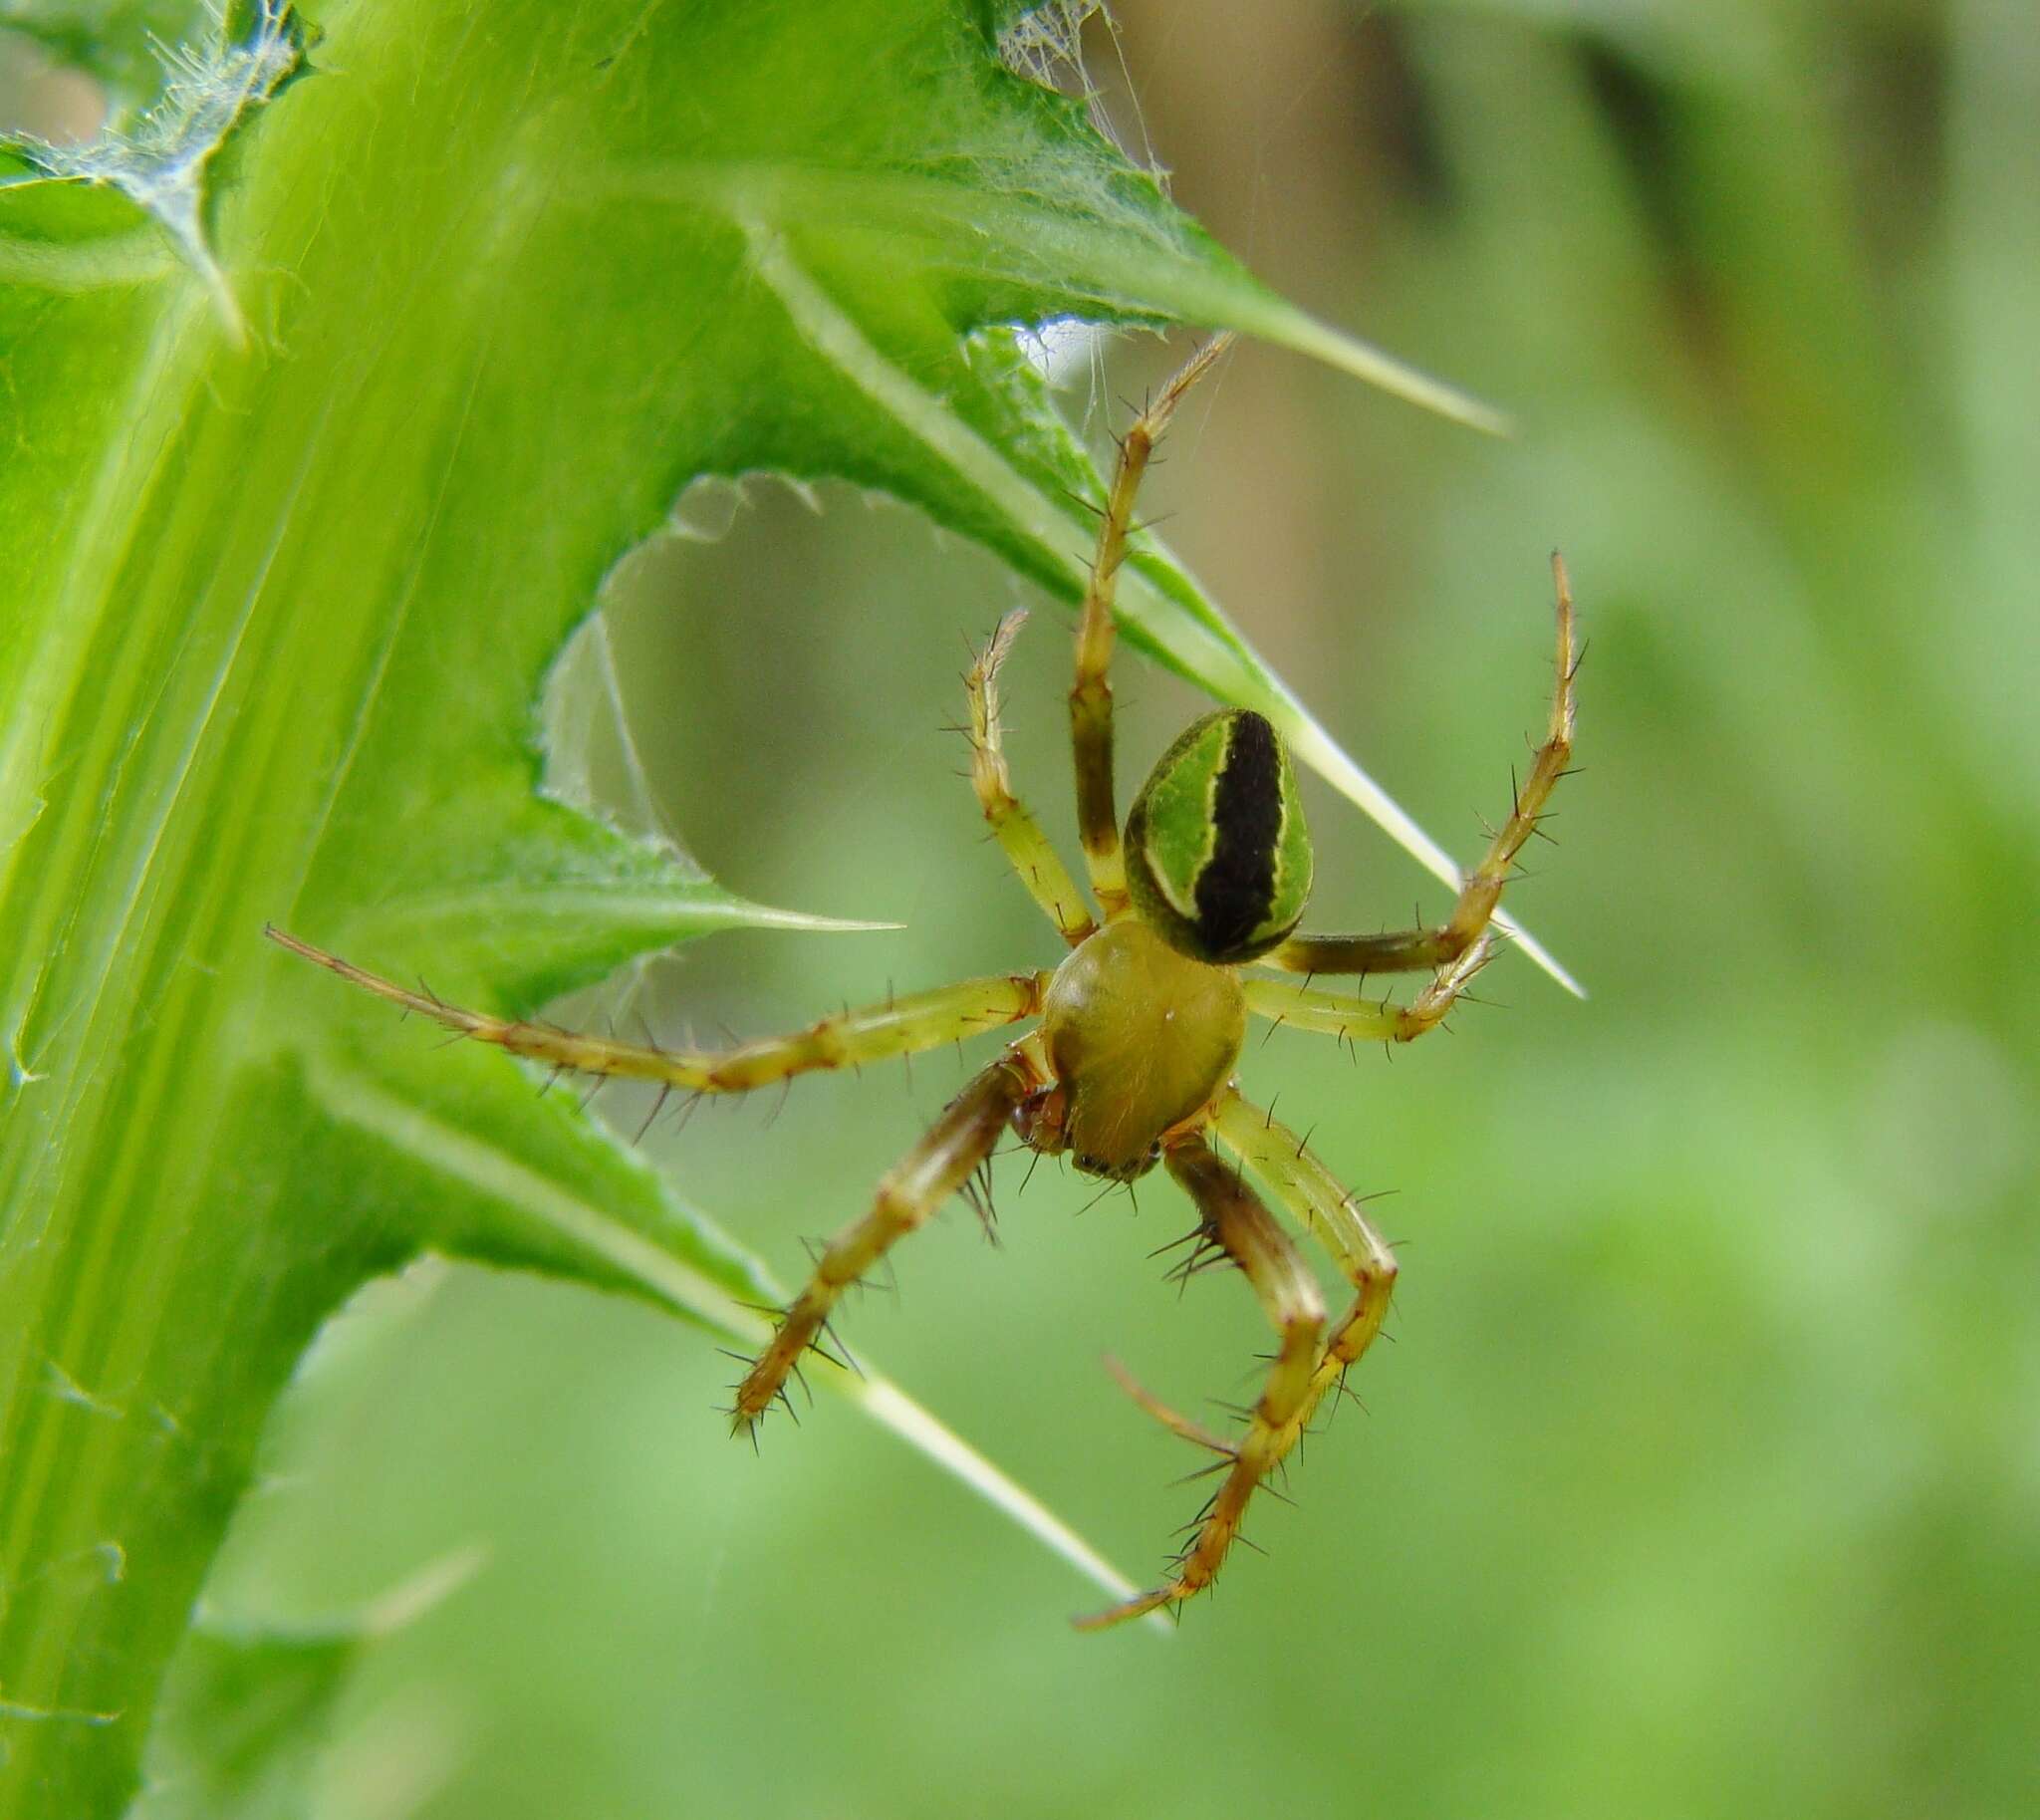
(1217, 857)
(1140, 1037)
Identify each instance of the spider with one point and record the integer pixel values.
(1131, 1064)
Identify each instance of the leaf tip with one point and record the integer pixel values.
(410, 1600)
(1381, 370)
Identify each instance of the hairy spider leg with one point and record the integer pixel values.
(1408, 950)
(1090, 695)
(908, 1194)
(1040, 866)
(905, 1025)
(1355, 1019)
(1235, 1219)
(1331, 1212)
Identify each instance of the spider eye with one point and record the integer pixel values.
(1218, 860)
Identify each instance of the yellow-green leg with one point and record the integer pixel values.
(1356, 1019)
(1331, 1212)
(1040, 866)
(1235, 1221)
(1408, 950)
(906, 1025)
(1090, 695)
(909, 1192)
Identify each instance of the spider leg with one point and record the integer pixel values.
(1357, 1020)
(908, 1194)
(1040, 866)
(1236, 1220)
(1090, 695)
(1178, 1425)
(1410, 950)
(1331, 1212)
(905, 1025)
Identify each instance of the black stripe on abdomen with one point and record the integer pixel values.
(1238, 884)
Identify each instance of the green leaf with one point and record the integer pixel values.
(161, 162)
(316, 456)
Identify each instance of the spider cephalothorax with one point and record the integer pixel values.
(1131, 1062)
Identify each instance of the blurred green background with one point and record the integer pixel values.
(1705, 1473)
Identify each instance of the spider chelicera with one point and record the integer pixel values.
(1131, 1065)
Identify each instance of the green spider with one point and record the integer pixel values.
(1140, 1026)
